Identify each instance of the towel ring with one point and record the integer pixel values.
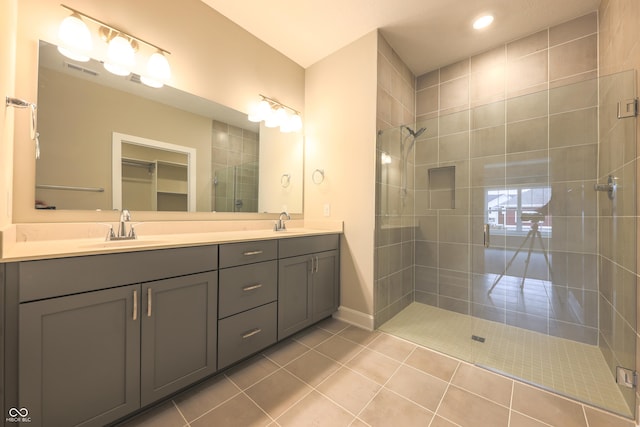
(318, 176)
(285, 180)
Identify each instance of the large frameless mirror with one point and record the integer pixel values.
(110, 142)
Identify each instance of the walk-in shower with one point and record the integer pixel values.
(525, 270)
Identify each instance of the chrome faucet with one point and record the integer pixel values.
(125, 216)
(280, 223)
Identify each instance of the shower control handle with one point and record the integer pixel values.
(610, 187)
(487, 235)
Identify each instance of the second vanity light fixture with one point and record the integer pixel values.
(76, 43)
(276, 114)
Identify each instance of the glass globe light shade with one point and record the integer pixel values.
(281, 116)
(259, 111)
(272, 120)
(295, 123)
(158, 71)
(121, 56)
(75, 38)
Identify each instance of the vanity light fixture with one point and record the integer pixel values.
(76, 43)
(483, 22)
(276, 114)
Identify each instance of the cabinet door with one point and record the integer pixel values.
(179, 327)
(80, 358)
(294, 295)
(325, 284)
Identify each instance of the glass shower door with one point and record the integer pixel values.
(534, 225)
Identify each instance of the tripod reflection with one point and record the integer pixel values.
(533, 234)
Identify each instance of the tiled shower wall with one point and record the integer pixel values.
(234, 152)
(522, 114)
(394, 234)
(619, 51)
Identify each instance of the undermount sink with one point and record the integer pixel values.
(122, 243)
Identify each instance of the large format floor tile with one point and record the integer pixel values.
(337, 375)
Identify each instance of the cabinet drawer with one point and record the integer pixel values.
(247, 286)
(246, 333)
(307, 245)
(233, 254)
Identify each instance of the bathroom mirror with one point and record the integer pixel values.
(108, 141)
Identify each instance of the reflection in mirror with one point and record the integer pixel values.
(81, 109)
(152, 175)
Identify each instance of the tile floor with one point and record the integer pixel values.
(571, 368)
(334, 374)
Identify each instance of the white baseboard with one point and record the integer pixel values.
(354, 317)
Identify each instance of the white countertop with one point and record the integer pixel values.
(43, 241)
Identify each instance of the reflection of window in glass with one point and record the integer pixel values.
(516, 209)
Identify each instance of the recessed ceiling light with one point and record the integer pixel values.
(483, 22)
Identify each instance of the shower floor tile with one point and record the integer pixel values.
(567, 367)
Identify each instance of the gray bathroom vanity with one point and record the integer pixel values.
(99, 337)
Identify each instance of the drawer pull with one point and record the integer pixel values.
(251, 333)
(252, 287)
(135, 305)
(250, 253)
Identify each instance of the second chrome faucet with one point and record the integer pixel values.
(280, 223)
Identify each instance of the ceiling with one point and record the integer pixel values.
(426, 34)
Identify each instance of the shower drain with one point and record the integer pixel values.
(477, 338)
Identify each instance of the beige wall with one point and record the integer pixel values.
(620, 51)
(210, 57)
(8, 23)
(340, 139)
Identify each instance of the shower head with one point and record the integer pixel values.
(413, 133)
